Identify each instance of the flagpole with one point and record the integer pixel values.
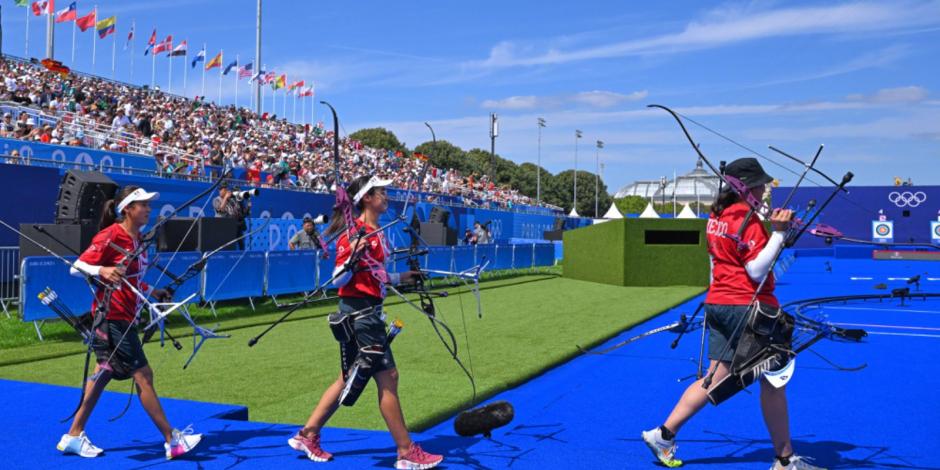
(26, 48)
(94, 42)
(73, 43)
(203, 94)
(261, 92)
(221, 56)
(133, 31)
(185, 61)
(113, 51)
(236, 81)
(153, 65)
(169, 85)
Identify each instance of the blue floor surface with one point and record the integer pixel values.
(588, 413)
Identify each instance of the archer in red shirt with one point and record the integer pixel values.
(742, 254)
(360, 328)
(117, 344)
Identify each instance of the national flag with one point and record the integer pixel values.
(43, 7)
(151, 42)
(281, 82)
(106, 27)
(259, 76)
(87, 21)
(201, 56)
(229, 67)
(130, 36)
(421, 156)
(269, 77)
(179, 50)
(67, 14)
(244, 71)
(307, 91)
(22, 3)
(164, 46)
(296, 85)
(215, 62)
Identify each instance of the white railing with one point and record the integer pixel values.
(9, 277)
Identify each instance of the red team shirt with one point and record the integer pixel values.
(730, 283)
(124, 303)
(362, 283)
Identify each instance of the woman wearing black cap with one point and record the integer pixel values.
(741, 252)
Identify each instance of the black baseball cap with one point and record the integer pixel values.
(749, 171)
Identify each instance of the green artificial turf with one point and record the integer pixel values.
(529, 324)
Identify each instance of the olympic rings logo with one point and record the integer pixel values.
(907, 198)
(882, 230)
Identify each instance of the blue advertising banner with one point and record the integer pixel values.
(77, 158)
(910, 208)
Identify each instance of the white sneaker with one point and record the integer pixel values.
(796, 463)
(663, 450)
(79, 445)
(181, 442)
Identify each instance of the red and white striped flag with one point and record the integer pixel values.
(164, 46)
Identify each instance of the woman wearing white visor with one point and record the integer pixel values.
(359, 326)
(117, 345)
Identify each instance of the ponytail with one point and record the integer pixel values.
(725, 198)
(337, 221)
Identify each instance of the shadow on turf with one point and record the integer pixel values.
(745, 450)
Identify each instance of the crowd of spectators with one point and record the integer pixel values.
(185, 134)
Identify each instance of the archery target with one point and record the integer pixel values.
(882, 230)
(935, 231)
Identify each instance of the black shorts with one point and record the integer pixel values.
(369, 330)
(130, 352)
(722, 321)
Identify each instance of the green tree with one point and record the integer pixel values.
(444, 155)
(632, 204)
(379, 138)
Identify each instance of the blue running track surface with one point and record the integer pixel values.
(589, 412)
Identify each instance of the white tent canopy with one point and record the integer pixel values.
(686, 213)
(613, 212)
(649, 212)
(573, 213)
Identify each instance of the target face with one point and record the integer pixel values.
(936, 231)
(882, 230)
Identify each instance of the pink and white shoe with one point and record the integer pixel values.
(309, 446)
(181, 442)
(418, 459)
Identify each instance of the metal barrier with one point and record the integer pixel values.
(9, 278)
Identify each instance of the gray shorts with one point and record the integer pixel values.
(130, 352)
(369, 329)
(722, 320)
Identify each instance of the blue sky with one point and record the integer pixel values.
(860, 77)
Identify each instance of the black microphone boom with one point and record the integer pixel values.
(483, 420)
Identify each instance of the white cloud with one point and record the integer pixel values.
(733, 25)
(594, 99)
(899, 95)
(513, 102)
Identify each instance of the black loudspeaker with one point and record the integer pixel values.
(439, 215)
(438, 234)
(82, 195)
(552, 235)
(207, 234)
(62, 239)
(559, 223)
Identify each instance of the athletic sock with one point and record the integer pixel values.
(785, 460)
(667, 434)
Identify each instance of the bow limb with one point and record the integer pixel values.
(735, 184)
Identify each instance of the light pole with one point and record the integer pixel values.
(662, 191)
(494, 132)
(577, 135)
(597, 169)
(538, 167)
